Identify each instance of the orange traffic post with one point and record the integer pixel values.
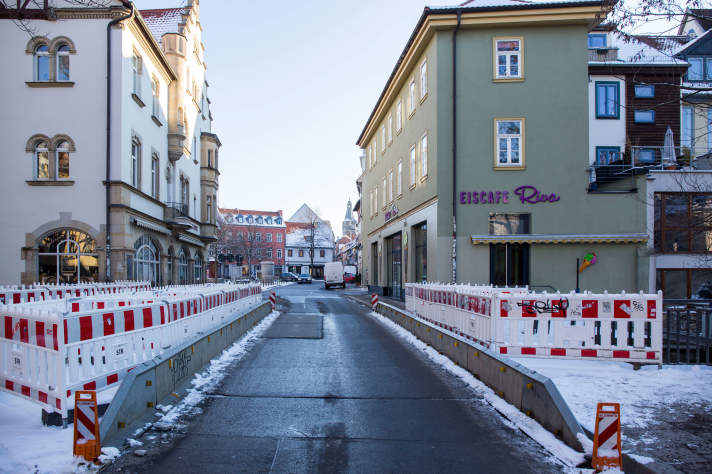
(607, 437)
(86, 425)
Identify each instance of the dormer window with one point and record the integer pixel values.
(278, 221)
(259, 220)
(240, 219)
(249, 219)
(268, 220)
(691, 34)
(597, 41)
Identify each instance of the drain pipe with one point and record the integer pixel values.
(454, 146)
(108, 135)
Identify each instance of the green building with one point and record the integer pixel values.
(509, 149)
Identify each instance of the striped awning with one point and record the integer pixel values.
(138, 222)
(560, 239)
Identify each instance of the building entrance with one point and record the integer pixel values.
(394, 264)
(509, 264)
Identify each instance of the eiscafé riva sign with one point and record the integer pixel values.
(525, 194)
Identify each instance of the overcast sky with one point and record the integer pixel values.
(292, 84)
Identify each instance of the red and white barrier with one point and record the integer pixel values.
(273, 300)
(516, 322)
(374, 301)
(49, 349)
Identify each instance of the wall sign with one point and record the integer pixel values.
(526, 195)
(391, 213)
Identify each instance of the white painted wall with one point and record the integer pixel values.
(605, 132)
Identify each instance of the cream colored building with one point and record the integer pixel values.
(149, 167)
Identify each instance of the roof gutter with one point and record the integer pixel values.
(108, 135)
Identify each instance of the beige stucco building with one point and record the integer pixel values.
(136, 151)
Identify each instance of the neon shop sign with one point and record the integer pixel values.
(525, 194)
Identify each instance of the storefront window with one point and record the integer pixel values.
(420, 241)
(509, 262)
(683, 222)
(146, 260)
(68, 256)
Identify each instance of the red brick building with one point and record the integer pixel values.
(250, 237)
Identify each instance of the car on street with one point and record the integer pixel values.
(288, 276)
(304, 278)
(334, 275)
(349, 278)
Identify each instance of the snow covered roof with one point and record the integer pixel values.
(631, 50)
(163, 20)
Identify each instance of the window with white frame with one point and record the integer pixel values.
(399, 178)
(384, 190)
(375, 155)
(412, 166)
(209, 209)
(269, 252)
(423, 79)
(268, 236)
(258, 236)
(399, 115)
(390, 186)
(63, 62)
(42, 160)
(383, 139)
(375, 200)
(411, 97)
(154, 93)
(509, 140)
(424, 156)
(390, 128)
(155, 175)
(41, 63)
(279, 253)
(63, 160)
(687, 138)
(135, 162)
(508, 58)
(279, 237)
(137, 70)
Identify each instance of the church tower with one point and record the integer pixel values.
(348, 226)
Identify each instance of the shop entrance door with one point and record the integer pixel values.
(509, 264)
(394, 260)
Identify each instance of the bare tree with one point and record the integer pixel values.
(244, 247)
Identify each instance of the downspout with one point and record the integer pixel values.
(454, 146)
(108, 136)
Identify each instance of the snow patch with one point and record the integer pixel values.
(641, 459)
(133, 443)
(529, 426)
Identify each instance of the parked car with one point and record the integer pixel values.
(304, 278)
(349, 278)
(288, 276)
(334, 275)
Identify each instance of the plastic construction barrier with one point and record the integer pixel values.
(517, 322)
(50, 349)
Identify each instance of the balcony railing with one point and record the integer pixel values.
(176, 210)
(615, 168)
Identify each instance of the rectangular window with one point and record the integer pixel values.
(686, 134)
(258, 237)
(383, 139)
(269, 252)
(411, 97)
(596, 40)
(375, 156)
(508, 58)
(279, 237)
(135, 156)
(509, 224)
(644, 91)
(400, 178)
(155, 176)
(399, 115)
(209, 209)
(301, 252)
(137, 69)
(279, 253)
(384, 192)
(644, 116)
(646, 155)
(683, 222)
(258, 253)
(268, 236)
(390, 128)
(289, 252)
(375, 200)
(696, 70)
(424, 156)
(412, 166)
(390, 186)
(509, 142)
(605, 155)
(607, 100)
(154, 93)
(322, 253)
(423, 79)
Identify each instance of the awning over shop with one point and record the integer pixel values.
(138, 222)
(190, 240)
(560, 239)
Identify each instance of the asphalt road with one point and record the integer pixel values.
(330, 389)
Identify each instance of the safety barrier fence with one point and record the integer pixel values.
(43, 292)
(518, 322)
(50, 349)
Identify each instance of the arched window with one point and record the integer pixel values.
(63, 160)
(278, 221)
(68, 256)
(198, 268)
(182, 267)
(42, 160)
(169, 267)
(147, 260)
(63, 63)
(42, 63)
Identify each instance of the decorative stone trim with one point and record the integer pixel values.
(156, 120)
(138, 100)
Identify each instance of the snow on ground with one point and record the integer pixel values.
(643, 393)
(518, 419)
(28, 446)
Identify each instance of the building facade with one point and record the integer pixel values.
(147, 172)
(310, 242)
(249, 237)
(517, 184)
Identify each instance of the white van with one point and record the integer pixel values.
(334, 275)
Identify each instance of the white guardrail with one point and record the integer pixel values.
(517, 322)
(51, 348)
(41, 292)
